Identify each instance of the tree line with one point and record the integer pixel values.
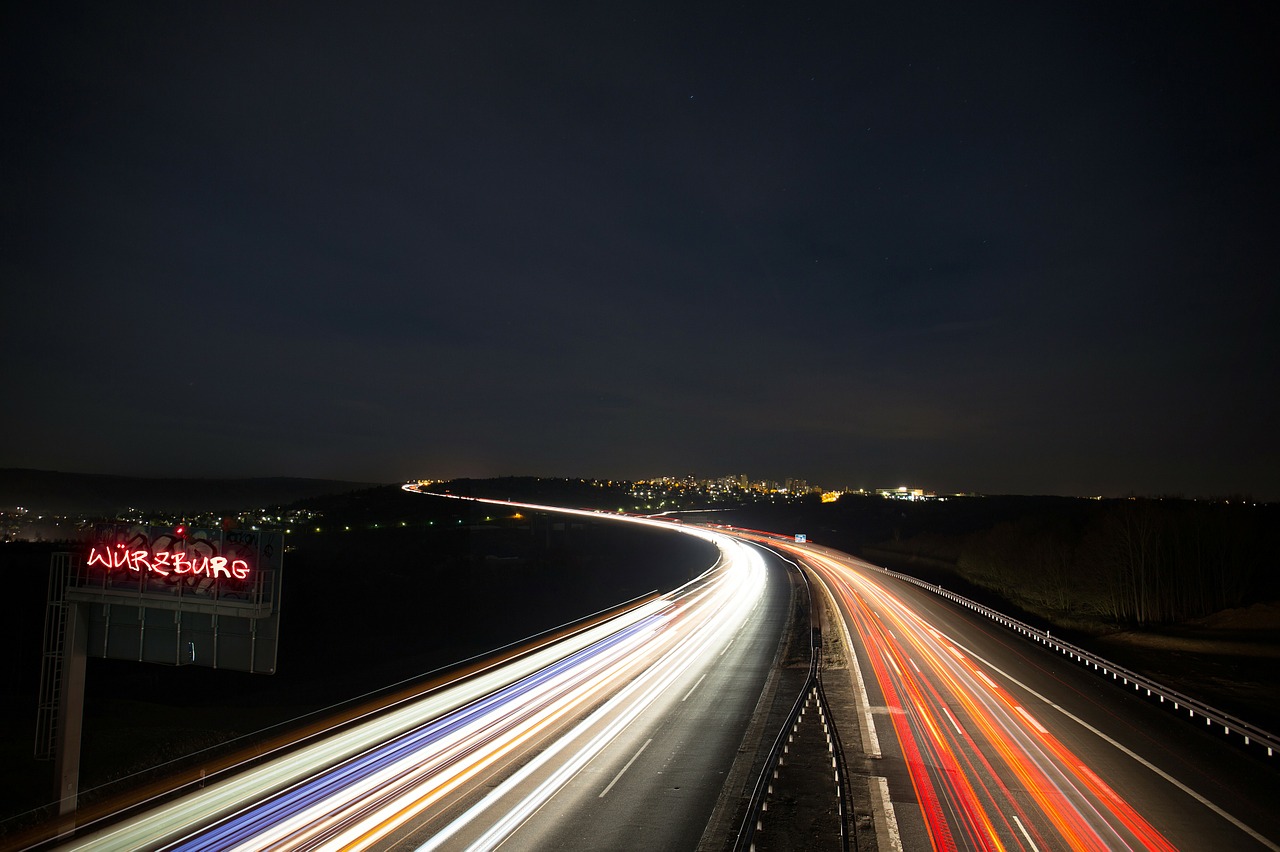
(1134, 561)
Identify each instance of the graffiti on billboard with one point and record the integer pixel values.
(182, 560)
(164, 562)
(180, 596)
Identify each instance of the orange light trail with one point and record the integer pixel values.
(967, 743)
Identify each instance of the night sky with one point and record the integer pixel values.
(998, 247)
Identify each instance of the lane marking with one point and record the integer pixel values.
(695, 686)
(1023, 829)
(730, 645)
(1031, 720)
(991, 683)
(886, 821)
(954, 723)
(1272, 845)
(870, 741)
(606, 790)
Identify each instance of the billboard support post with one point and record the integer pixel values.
(60, 719)
(146, 594)
(75, 645)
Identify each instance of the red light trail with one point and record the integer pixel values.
(986, 772)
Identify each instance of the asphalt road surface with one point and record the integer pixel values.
(976, 738)
(619, 735)
(657, 783)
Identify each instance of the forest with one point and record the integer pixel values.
(1133, 562)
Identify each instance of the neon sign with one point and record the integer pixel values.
(165, 562)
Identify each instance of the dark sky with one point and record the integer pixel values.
(1002, 247)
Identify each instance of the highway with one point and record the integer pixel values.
(625, 726)
(657, 783)
(621, 734)
(975, 738)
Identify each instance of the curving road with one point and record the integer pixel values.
(656, 783)
(978, 739)
(621, 735)
(620, 731)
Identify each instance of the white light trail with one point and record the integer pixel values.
(555, 708)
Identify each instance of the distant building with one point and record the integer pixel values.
(902, 492)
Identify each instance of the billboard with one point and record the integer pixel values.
(181, 596)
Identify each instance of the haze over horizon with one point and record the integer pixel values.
(997, 248)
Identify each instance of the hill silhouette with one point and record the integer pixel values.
(58, 493)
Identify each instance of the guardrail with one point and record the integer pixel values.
(35, 829)
(753, 821)
(837, 757)
(1252, 734)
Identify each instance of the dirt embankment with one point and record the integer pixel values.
(1229, 660)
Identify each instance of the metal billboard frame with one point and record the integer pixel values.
(173, 596)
